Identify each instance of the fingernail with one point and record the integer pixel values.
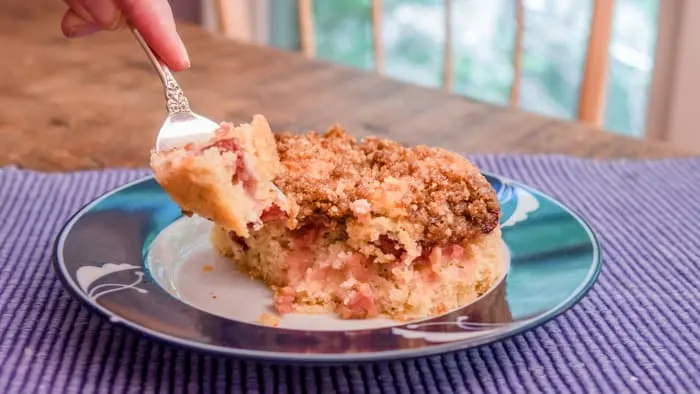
(82, 30)
(72, 25)
(183, 54)
(105, 12)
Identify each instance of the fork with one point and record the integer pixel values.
(181, 126)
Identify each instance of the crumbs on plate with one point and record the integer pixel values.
(269, 320)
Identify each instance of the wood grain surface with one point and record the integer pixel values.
(96, 102)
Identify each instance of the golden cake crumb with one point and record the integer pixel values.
(269, 320)
(207, 268)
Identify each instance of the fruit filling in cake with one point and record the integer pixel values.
(368, 227)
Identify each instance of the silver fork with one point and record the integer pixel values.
(181, 126)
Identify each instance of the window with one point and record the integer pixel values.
(554, 49)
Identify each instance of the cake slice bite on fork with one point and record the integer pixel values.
(227, 179)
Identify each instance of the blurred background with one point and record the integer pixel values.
(621, 65)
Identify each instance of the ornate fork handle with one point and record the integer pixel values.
(175, 99)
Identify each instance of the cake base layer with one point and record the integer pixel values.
(318, 271)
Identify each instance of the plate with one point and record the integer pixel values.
(131, 256)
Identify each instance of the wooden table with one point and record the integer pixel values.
(96, 102)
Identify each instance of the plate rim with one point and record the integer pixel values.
(333, 358)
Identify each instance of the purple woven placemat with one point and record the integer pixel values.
(638, 330)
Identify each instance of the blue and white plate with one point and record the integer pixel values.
(135, 259)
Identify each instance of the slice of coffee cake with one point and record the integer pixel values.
(372, 228)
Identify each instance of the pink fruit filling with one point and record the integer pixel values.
(358, 303)
(356, 284)
(240, 171)
(389, 246)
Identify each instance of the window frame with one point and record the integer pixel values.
(675, 87)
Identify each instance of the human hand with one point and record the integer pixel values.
(153, 19)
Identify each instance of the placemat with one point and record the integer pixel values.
(638, 330)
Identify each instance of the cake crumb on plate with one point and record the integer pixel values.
(269, 320)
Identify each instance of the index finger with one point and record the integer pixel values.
(154, 20)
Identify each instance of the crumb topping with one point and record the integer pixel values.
(442, 195)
